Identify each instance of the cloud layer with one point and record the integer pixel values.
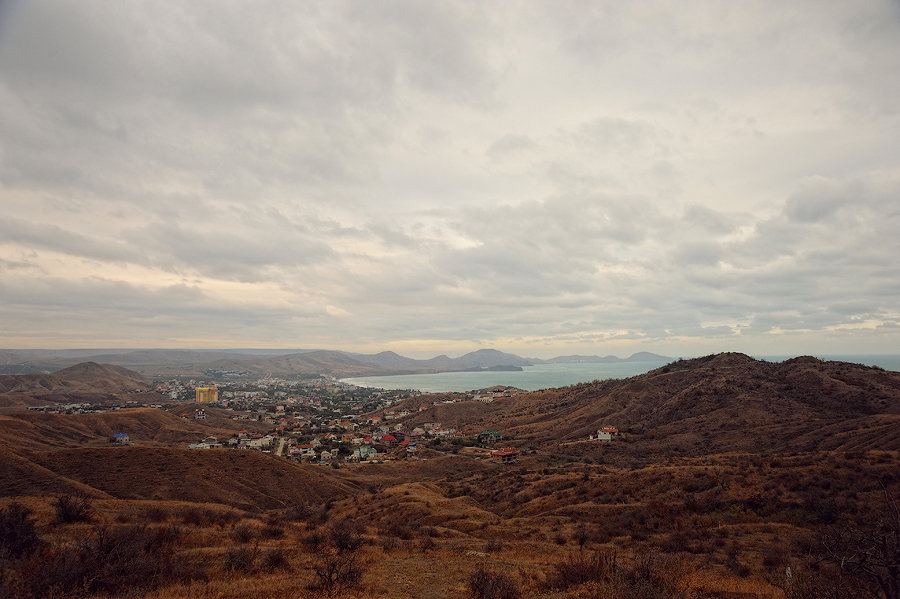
(543, 178)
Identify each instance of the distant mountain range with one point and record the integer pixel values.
(256, 363)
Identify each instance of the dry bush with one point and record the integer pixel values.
(345, 535)
(338, 565)
(313, 540)
(241, 559)
(69, 510)
(107, 561)
(335, 570)
(578, 569)
(243, 533)
(154, 514)
(487, 584)
(195, 516)
(18, 537)
(275, 558)
(271, 532)
(426, 544)
(298, 513)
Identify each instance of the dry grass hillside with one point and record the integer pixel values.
(733, 479)
(87, 382)
(720, 403)
(145, 426)
(87, 377)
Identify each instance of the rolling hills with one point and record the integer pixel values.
(729, 471)
(720, 403)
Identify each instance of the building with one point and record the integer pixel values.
(489, 437)
(605, 433)
(207, 394)
(507, 455)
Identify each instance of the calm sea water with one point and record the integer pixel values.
(545, 376)
(531, 378)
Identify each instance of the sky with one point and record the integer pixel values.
(544, 178)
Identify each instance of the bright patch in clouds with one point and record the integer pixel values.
(544, 178)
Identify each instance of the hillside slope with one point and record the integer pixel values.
(724, 402)
(89, 377)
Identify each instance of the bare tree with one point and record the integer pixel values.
(870, 553)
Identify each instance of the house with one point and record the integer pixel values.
(261, 443)
(362, 453)
(507, 455)
(605, 434)
(325, 456)
(489, 437)
(389, 440)
(298, 452)
(200, 414)
(121, 438)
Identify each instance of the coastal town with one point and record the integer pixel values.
(321, 420)
(325, 421)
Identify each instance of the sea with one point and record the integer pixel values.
(547, 376)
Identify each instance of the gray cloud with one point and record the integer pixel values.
(361, 175)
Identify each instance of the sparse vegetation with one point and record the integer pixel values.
(489, 584)
(669, 511)
(72, 509)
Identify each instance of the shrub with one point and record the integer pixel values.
(298, 512)
(582, 568)
(69, 509)
(337, 565)
(487, 584)
(195, 516)
(243, 534)
(275, 559)
(155, 514)
(108, 561)
(335, 569)
(271, 532)
(241, 559)
(426, 543)
(17, 534)
(345, 535)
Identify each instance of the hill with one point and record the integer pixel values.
(719, 403)
(638, 357)
(89, 377)
(146, 426)
(283, 363)
(729, 473)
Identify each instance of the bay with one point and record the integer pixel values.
(546, 376)
(531, 378)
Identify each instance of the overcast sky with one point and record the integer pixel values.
(544, 178)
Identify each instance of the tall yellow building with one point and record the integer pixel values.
(207, 394)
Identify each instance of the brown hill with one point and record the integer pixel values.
(719, 403)
(246, 479)
(85, 377)
(144, 426)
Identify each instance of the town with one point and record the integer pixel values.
(325, 421)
